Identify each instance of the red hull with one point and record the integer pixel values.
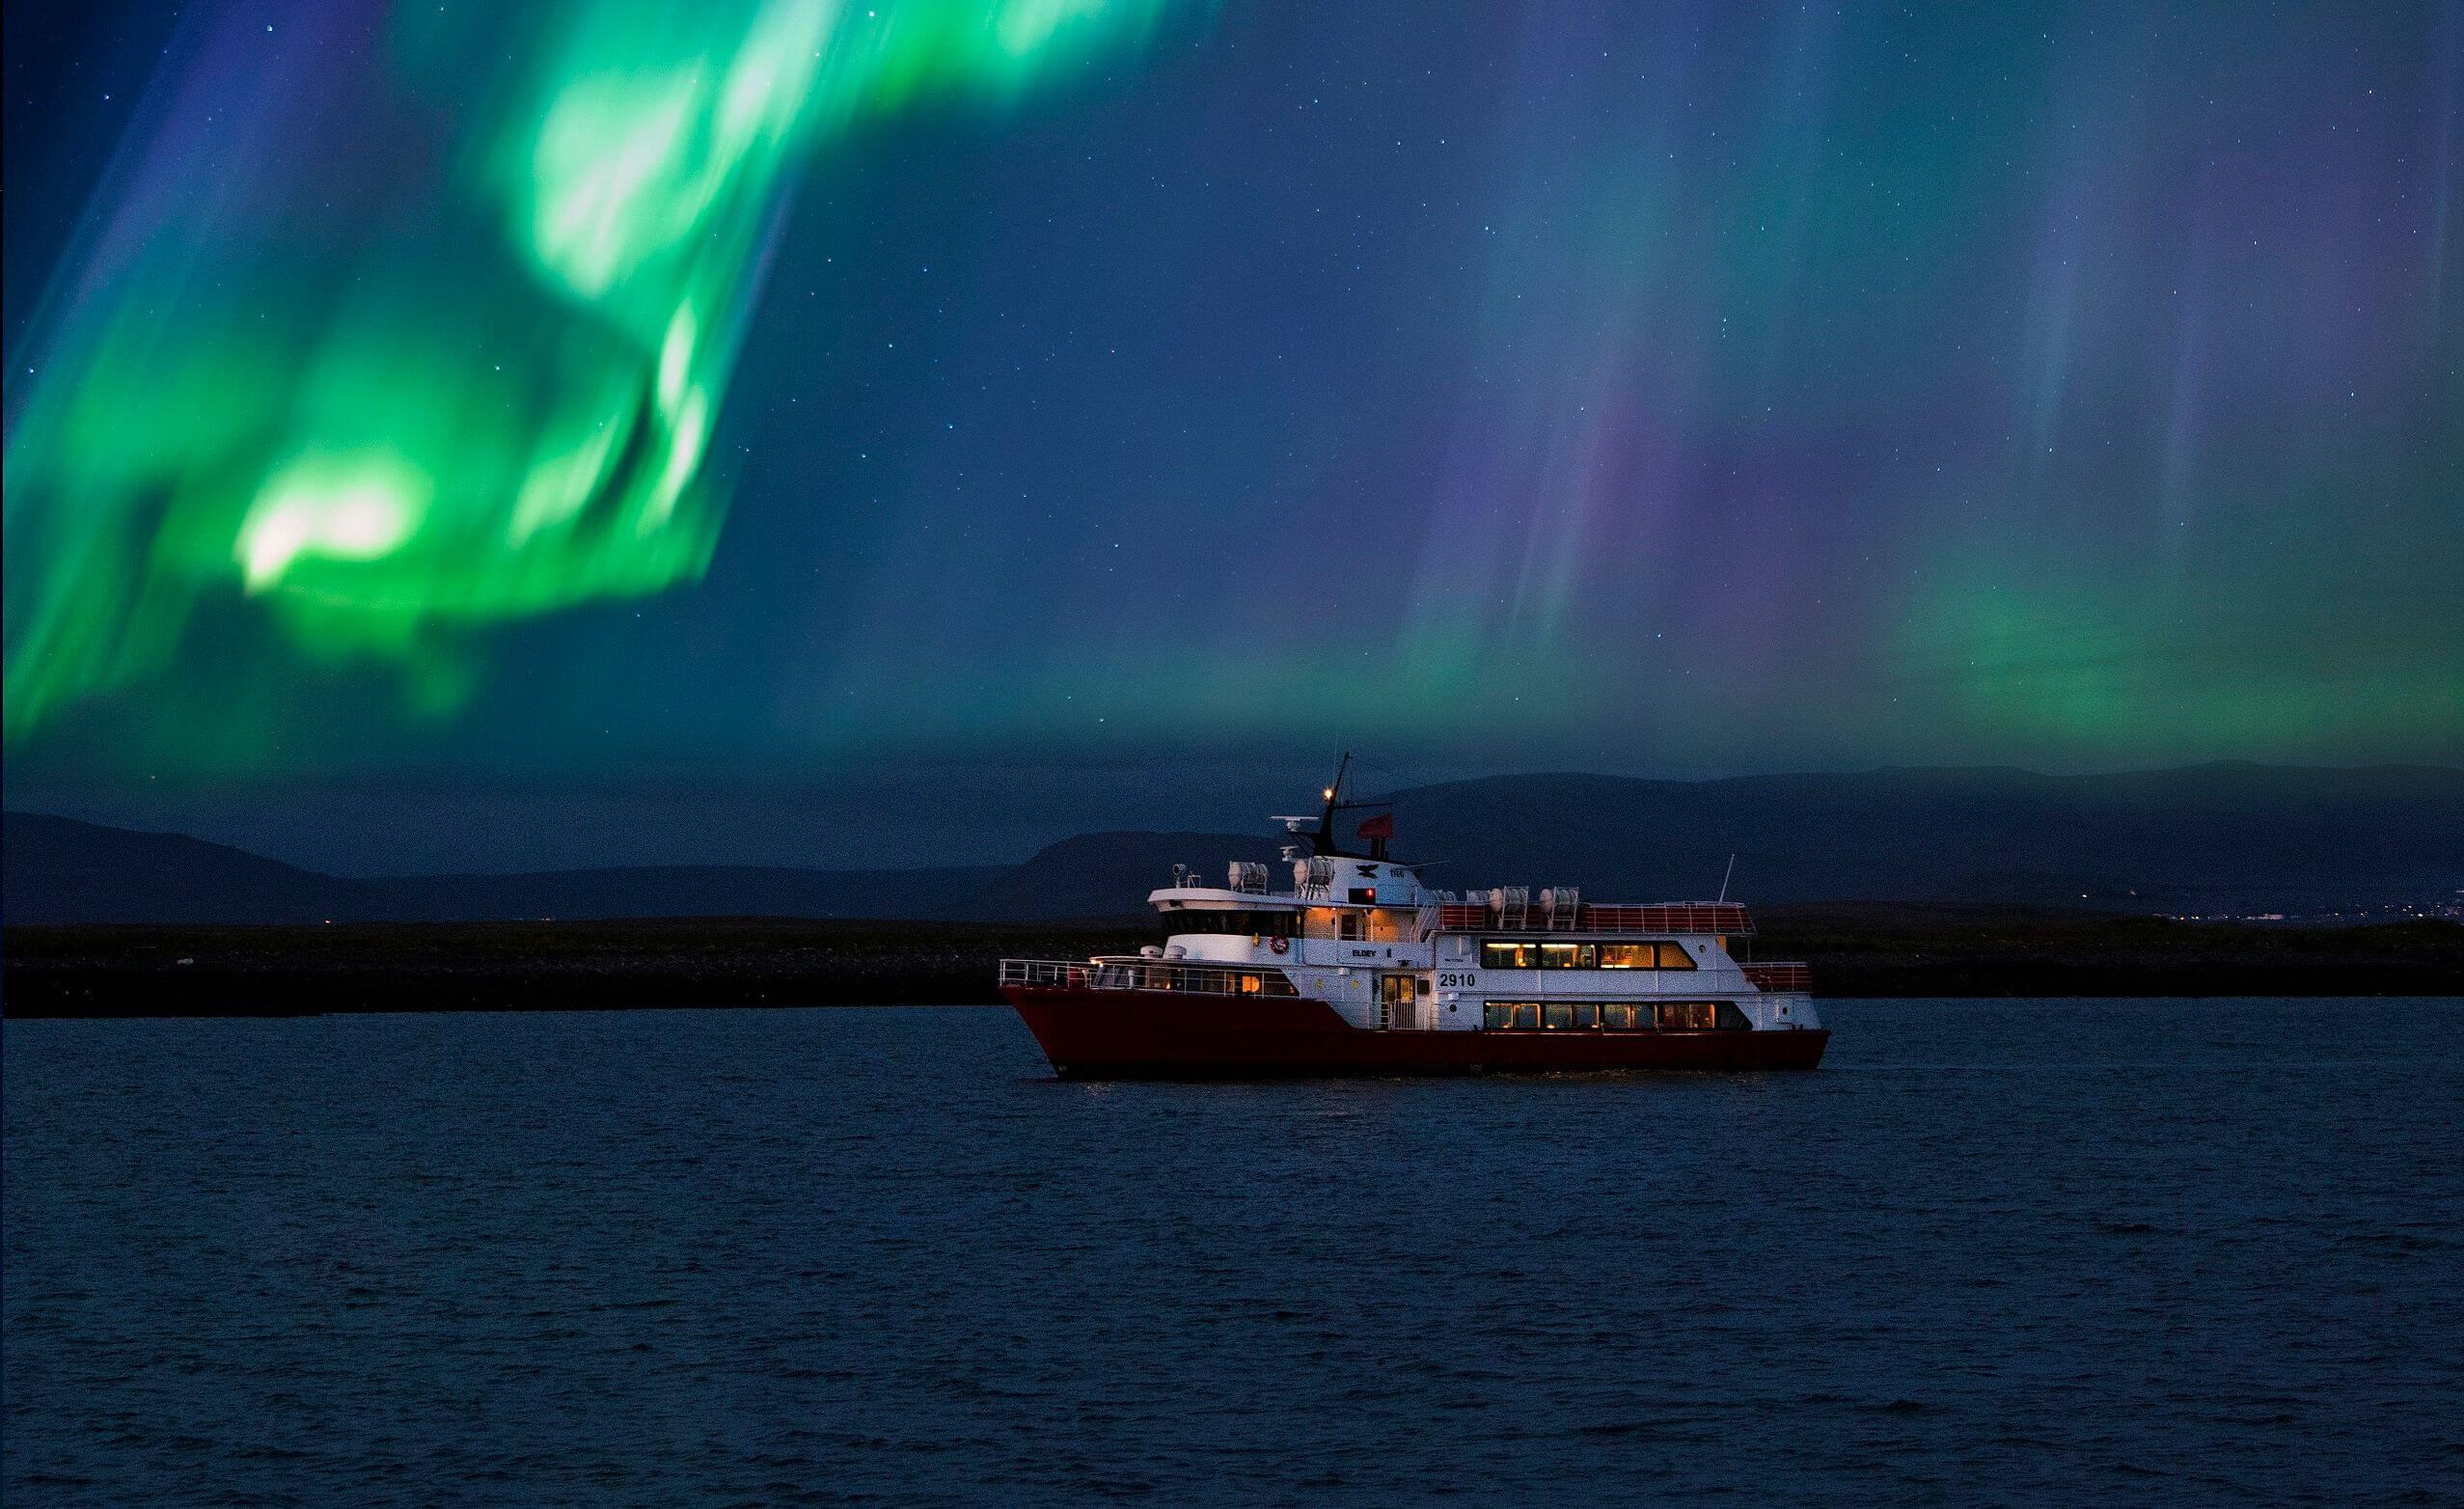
(1099, 1034)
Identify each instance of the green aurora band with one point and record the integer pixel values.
(498, 401)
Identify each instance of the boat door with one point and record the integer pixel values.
(1403, 1001)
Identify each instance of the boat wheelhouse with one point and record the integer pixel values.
(1358, 968)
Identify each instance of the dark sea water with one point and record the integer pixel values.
(1991, 1252)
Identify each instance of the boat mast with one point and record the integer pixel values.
(1333, 791)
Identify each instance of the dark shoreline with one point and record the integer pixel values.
(1856, 951)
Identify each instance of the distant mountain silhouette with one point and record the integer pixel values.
(2236, 837)
(680, 890)
(55, 869)
(1108, 874)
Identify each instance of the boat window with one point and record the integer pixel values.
(1595, 1016)
(1255, 982)
(1494, 955)
(1257, 924)
(1565, 956)
(1513, 1016)
(1644, 956)
(1611, 1016)
(1701, 1016)
(1348, 924)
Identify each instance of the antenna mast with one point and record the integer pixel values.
(1333, 791)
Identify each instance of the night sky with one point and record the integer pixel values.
(912, 432)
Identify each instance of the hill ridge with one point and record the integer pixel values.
(2224, 836)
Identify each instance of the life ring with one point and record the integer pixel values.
(1282, 946)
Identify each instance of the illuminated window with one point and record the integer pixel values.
(1612, 1016)
(1592, 1016)
(1565, 956)
(1496, 955)
(1701, 1016)
(1513, 1016)
(1644, 956)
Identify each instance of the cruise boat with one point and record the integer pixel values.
(1360, 969)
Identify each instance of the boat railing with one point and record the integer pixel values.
(1779, 978)
(1142, 974)
(1509, 915)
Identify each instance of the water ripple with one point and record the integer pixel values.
(2008, 1251)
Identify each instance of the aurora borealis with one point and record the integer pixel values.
(480, 389)
(571, 394)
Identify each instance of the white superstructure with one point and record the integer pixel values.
(1357, 968)
(1364, 936)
